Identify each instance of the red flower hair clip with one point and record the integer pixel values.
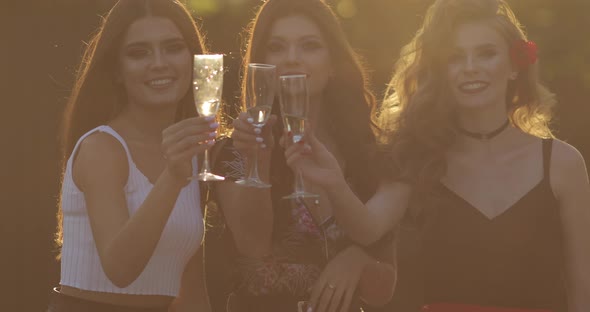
(523, 53)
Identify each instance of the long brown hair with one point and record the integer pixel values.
(96, 97)
(348, 101)
(417, 112)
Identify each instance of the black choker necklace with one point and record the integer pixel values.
(484, 136)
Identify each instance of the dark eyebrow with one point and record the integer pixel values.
(145, 43)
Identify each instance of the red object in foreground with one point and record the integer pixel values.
(452, 307)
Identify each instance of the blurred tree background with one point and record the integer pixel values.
(42, 43)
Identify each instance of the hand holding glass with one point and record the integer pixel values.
(294, 99)
(207, 88)
(260, 94)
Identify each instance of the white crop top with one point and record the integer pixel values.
(181, 238)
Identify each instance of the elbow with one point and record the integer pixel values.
(120, 280)
(119, 275)
(366, 241)
(121, 283)
(366, 238)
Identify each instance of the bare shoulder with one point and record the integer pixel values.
(568, 169)
(100, 158)
(567, 158)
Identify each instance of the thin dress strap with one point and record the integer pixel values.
(547, 148)
(105, 129)
(116, 135)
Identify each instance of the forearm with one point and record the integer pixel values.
(352, 214)
(127, 254)
(249, 215)
(248, 212)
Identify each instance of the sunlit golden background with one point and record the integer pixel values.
(41, 42)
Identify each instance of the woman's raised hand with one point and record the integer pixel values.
(246, 137)
(314, 160)
(185, 139)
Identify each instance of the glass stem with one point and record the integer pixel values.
(299, 188)
(206, 168)
(253, 173)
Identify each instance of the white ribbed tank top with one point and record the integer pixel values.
(182, 235)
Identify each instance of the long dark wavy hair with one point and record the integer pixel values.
(418, 114)
(96, 97)
(348, 101)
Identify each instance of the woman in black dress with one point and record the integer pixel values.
(504, 207)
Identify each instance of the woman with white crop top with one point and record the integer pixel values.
(131, 220)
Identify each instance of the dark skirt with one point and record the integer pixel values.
(59, 302)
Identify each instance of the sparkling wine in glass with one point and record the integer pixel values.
(259, 97)
(207, 88)
(295, 125)
(294, 99)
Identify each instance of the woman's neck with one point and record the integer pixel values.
(485, 131)
(484, 120)
(144, 125)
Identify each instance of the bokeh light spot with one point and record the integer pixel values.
(205, 7)
(346, 8)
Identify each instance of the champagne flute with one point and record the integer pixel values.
(260, 94)
(294, 99)
(207, 87)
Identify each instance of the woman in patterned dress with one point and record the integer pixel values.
(291, 251)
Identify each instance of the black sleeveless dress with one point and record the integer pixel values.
(515, 260)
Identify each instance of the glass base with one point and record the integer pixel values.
(296, 195)
(253, 183)
(207, 177)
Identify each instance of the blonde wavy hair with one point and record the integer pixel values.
(417, 115)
